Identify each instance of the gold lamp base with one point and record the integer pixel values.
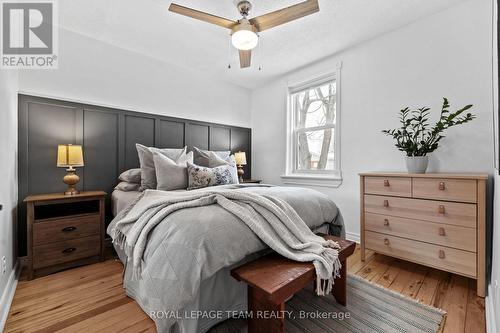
(240, 173)
(71, 179)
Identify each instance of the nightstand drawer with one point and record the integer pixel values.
(461, 214)
(462, 190)
(397, 186)
(457, 261)
(66, 228)
(436, 233)
(61, 252)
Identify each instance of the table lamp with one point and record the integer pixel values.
(70, 156)
(241, 160)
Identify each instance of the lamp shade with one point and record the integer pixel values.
(241, 158)
(69, 156)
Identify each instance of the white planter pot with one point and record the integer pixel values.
(417, 164)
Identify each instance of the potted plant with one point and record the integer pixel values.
(417, 138)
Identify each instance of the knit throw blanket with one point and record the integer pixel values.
(273, 220)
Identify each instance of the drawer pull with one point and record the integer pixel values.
(441, 254)
(386, 222)
(442, 186)
(386, 241)
(442, 232)
(386, 203)
(386, 183)
(69, 250)
(68, 229)
(441, 209)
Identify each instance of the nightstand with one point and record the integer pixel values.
(251, 181)
(64, 231)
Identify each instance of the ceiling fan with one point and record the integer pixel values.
(244, 31)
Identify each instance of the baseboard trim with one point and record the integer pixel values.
(8, 294)
(491, 326)
(352, 236)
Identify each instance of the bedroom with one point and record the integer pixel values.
(130, 72)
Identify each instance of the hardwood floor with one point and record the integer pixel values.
(91, 298)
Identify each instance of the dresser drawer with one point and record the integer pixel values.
(436, 233)
(65, 251)
(453, 260)
(463, 190)
(461, 214)
(397, 186)
(55, 230)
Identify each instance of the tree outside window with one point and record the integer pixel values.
(314, 124)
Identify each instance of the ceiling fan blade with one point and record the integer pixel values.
(245, 58)
(285, 15)
(196, 14)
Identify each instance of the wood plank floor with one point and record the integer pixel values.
(91, 298)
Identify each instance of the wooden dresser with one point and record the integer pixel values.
(436, 220)
(64, 231)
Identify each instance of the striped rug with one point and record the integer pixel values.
(370, 308)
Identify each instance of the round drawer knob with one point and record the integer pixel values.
(441, 209)
(386, 241)
(441, 254)
(386, 222)
(386, 203)
(442, 232)
(386, 183)
(442, 186)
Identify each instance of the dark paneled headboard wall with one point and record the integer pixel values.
(108, 137)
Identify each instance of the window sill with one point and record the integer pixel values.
(313, 180)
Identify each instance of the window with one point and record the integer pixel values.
(313, 134)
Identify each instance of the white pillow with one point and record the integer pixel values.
(201, 157)
(148, 175)
(214, 160)
(170, 174)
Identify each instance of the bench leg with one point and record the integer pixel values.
(260, 309)
(339, 290)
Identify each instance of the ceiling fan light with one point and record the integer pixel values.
(244, 39)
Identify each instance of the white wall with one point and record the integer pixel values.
(8, 185)
(94, 72)
(447, 54)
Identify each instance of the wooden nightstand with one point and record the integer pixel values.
(64, 231)
(251, 181)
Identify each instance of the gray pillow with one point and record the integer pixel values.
(201, 157)
(200, 176)
(128, 187)
(214, 160)
(148, 173)
(170, 174)
(131, 176)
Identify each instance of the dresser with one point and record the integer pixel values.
(436, 220)
(64, 231)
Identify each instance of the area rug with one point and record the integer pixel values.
(370, 308)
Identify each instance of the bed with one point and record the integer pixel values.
(212, 242)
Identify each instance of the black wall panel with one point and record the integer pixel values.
(171, 134)
(108, 137)
(197, 136)
(220, 138)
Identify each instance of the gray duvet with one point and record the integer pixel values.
(194, 248)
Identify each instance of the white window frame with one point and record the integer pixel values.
(328, 178)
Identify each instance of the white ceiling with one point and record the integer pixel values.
(147, 27)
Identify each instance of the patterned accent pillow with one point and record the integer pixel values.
(199, 176)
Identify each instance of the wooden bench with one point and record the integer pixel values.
(273, 279)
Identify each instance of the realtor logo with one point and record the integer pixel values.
(29, 34)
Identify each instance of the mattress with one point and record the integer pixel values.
(121, 199)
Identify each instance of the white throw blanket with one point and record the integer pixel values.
(273, 220)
